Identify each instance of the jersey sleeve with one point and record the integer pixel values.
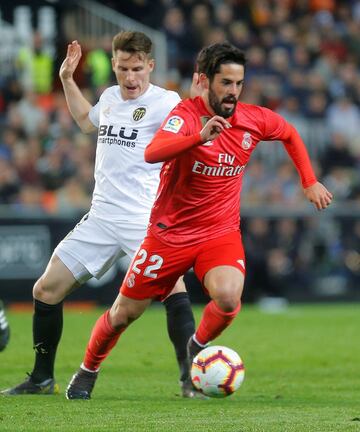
(175, 136)
(274, 127)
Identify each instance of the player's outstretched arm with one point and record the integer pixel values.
(318, 195)
(78, 106)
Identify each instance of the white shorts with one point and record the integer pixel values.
(94, 245)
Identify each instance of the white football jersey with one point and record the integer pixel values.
(125, 185)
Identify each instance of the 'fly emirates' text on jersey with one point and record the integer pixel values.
(199, 193)
(126, 185)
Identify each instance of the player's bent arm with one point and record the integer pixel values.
(166, 145)
(314, 191)
(78, 106)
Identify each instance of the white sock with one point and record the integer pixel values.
(82, 366)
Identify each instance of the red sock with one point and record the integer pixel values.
(102, 340)
(213, 322)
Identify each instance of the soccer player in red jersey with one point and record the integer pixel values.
(205, 144)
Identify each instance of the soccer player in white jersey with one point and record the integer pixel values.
(127, 115)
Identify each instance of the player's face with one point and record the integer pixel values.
(225, 88)
(132, 73)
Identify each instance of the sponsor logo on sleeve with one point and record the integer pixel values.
(173, 124)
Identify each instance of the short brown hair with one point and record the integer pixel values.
(212, 57)
(132, 42)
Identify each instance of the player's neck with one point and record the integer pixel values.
(205, 99)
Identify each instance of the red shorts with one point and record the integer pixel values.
(156, 267)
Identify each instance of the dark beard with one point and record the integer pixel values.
(216, 105)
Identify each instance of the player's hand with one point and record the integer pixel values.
(318, 195)
(71, 61)
(196, 87)
(213, 128)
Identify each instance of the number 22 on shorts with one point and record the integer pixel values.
(151, 269)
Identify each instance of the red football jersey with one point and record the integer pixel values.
(199, 193)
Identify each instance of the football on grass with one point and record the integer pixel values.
(217, 371)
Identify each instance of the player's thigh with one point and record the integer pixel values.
(224, 284)
(220, 266)
(155, 269)
(90, 249)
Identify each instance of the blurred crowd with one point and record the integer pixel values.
(303, 62)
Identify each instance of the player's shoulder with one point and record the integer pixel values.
(110, 92)
(187, 106)
(255, 112)
(163, 92)
(249, 108)
(164, 95)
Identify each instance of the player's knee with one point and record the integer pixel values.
(227, 303)
(227, 296)
(122, 315)
(50, 290)
(44, 290)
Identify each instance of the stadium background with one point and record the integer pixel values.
(303, 62)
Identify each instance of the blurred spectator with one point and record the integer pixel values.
(256, 183)
(28, 110)
(35, 67)
(179, 37)
(338, 154)
(257, 240)
(343, 116)
(352, 250)
(72, 198)
(9, 182)
(315, 106)
(340, 181)
(98, 66)
(25, 164)
(55, 167)
(284, 187)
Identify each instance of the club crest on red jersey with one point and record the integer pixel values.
(139, 113)
(247, 141)
(130, 282)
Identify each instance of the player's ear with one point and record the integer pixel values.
(204, 81)
(151, 64)
(113, 64)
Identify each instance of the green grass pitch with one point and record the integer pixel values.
(302, 374)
